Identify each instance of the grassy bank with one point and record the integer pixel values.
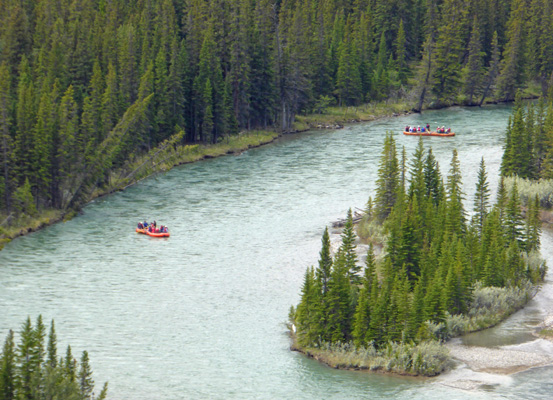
(162, 160)
(428, 358)
(19, 226)
(139, 168)
(490, 305)
(333, 117)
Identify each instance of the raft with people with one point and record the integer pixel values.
(151, 229)
(425, 131)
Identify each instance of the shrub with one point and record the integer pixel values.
(427, 358)
(23, 200)
(528, 189)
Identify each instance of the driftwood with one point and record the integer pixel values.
(357, 216)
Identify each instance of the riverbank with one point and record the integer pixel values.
(12, 227)
(331, 118)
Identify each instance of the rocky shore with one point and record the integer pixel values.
(504, 360)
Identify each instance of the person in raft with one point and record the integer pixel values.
(140, 226)
(428, 127)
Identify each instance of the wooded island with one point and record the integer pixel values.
(439, 274)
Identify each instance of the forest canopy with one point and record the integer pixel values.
(86, 85)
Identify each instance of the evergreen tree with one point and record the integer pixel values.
(388, 179)
(513, 217)
(481, 197)
(493, 69)
(348, 250)
(85, 377)
(474, 69)
(533, 225)
(5, 138)
(348, 79)
(52, 352)
(512, 66)
(325, 263)
(456, 212)
(8, 369)
(448, 51)
(25, 360)
(400, 53)
(339, 300)
(433, 179)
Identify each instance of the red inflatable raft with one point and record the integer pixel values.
(429, 134)
(152, 234)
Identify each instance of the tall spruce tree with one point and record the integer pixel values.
(388, 179)
(481, 197)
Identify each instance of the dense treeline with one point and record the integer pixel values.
(432, 261)
(528, 152)
(85, 85)
(32, 370)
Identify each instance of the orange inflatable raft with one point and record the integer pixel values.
(429, 134)
(153, 234)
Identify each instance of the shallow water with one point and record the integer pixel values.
(201, 314)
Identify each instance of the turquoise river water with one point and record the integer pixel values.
(201, 315)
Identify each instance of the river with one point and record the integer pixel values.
(201, 315)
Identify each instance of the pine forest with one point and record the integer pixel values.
(88, 86)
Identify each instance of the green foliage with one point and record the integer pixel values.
(388, 179)
(23, 200)
(437, 276)
(427, 358)
(25, 374)
(67, 83)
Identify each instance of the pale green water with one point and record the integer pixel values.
(201, 315)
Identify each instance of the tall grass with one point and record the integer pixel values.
(332, 116)
(528, 189)
(428, 358)
(489, 306)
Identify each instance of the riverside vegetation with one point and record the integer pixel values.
(438, 275)
(32, 370)
(89, 89)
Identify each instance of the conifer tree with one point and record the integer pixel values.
(533, 225)
(493, 69)
(416, 182)
(348, 80)
(5, 138)
(512, 66)
(388, 179)
(362, 316)
(52, 352)
(481, 197)
(25, 355)
(339, 300)
(513, 217)
(8, 369)
(348, 250)
(433, 179)
(86, 383)
(448, 51)
(70, 365)
(400, 54)
(456, 212)
(325, 263)
(473, 71)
